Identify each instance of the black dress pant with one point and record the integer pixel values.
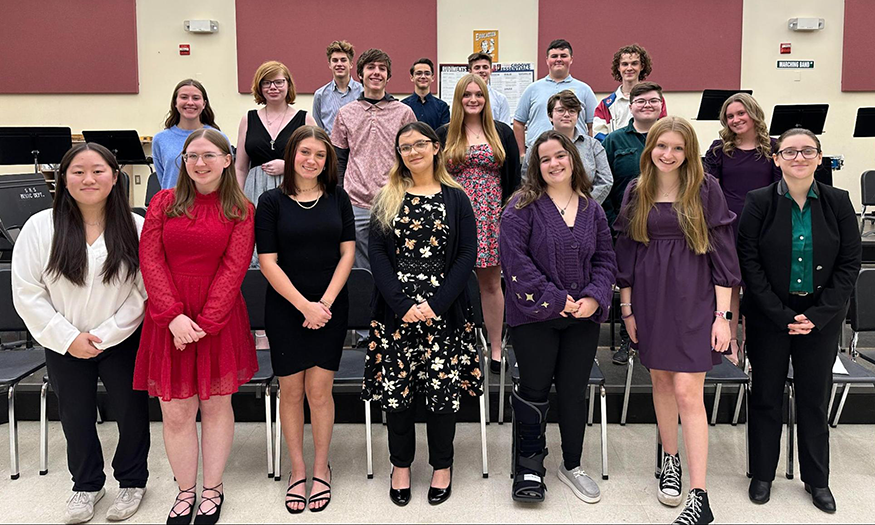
(813, 355)
(440, 429)
(75, 383)
(561, 351)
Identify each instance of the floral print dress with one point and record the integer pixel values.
(427, 357)
(480, 176)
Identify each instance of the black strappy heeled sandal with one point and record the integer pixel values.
(176, 518)
(211, 519)
(295, 498)
(320, 496)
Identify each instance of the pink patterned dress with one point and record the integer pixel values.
(480, 177)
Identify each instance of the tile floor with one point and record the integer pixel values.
(628, 496)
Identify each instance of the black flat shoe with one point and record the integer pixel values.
(437, 496)
(400, 497)
(321, 496)
(292, 498)
(175, 518)
(822, 498)
(211, 519)
(759, 491)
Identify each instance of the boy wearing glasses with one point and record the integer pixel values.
(427, 107)
(631, 65)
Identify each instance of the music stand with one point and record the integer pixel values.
(37, 145)
(21, 195)
(809, 116)
(865, 125)
(712, 102)
(124, 144)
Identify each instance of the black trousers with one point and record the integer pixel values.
(440, 429)
(561, 351)
(75, 383)
(813, 355)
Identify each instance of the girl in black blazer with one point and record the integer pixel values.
(799, 249)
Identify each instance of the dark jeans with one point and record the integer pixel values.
(75, 383)
(770, 351)
(440, 429)
(561, 351)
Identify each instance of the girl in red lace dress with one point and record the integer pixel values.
(196, 348)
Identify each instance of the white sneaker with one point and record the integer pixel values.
(580, 483)
(80, 506)
(126, 503)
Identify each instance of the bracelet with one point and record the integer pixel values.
(625, 304)
(325, 303)
(626, 316)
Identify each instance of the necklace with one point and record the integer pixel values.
(308, 190)
(270, 123)
(476, 135)
(98, 223)
(562, 210)
(310, 207)
(666, 193)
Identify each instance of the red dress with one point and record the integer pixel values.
(195, 267)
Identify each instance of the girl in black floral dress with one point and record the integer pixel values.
(421, 347)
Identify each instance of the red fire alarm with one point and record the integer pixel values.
(785, 48)
(185, 49)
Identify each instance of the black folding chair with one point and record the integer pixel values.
(867, 190)
(15, 364)
(862, 310)
(153, 186)
(254, 288)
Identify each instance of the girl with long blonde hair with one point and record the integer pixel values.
(482, 155)
(677, 263)
(422, 248)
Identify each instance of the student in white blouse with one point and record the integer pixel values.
(78, 288)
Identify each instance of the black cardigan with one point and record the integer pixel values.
(510, 170)
(389, 302)
(765, 245)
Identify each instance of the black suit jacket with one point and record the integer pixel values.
(764, 251)
(451, 296)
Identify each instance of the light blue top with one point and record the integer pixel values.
(500, 106)
(166, 153)
(328, 100)
(532, 107)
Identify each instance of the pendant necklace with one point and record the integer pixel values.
(562, 210)
(270, 123)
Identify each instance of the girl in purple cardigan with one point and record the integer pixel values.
(559, 265)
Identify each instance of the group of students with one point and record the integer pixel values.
(371, 186)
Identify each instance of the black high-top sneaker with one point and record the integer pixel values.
(697, 510)
(670, 481)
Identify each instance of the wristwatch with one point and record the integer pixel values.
(726, 314)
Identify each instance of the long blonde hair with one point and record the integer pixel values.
(753, 109)
(388, 202)
(688, 206)
(457, 141)
(234, 203)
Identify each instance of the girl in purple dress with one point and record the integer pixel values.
(677, 264)
(741, 159)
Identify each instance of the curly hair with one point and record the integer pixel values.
(634, 49)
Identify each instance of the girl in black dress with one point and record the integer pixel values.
(423, 248)
(305, 235)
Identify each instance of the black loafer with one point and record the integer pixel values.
(759, 491)
(437, 496)
(400, 497)
(822, 498)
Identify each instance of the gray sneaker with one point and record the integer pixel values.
(80, 506)
(126, 503)
(580, 483)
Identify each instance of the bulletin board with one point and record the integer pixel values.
(857, 46)
(694, 45)
(64, 46)
(297, 33)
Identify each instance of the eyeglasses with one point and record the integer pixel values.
(564, 111)
(640, 102)
(279, 83)
(191, 158)
(419, 145)
(791, 154)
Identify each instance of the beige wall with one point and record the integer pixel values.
(213, 61)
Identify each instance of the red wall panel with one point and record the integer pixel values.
(65, 46)
(694, 44)
(858, 45)
(297, 33)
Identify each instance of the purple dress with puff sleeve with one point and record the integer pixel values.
(672, 287)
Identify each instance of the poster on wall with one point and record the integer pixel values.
(508, 79)
(486, 41)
